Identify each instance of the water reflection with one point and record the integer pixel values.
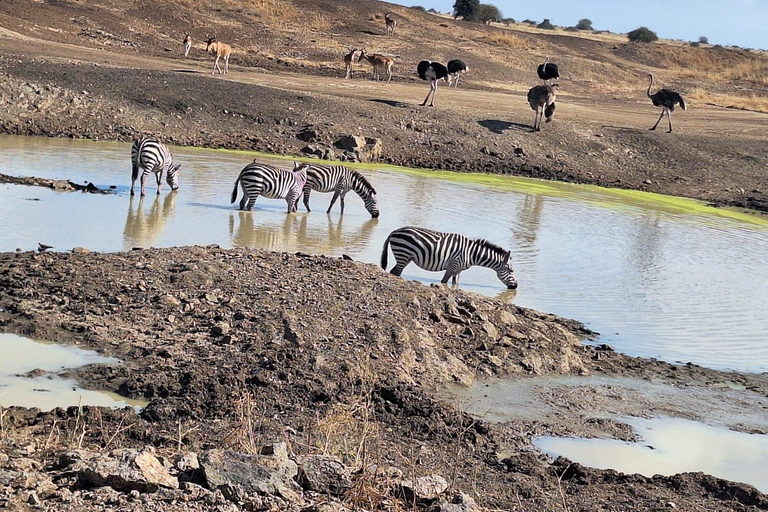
(294, 233)
(670, 446)
(143, 229)
(528, 223)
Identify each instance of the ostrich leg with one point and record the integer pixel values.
(669, 118)
(659, 119)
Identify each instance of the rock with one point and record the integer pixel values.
(351, 142)
(308, 135)
(422, 489)
(220, 329)
(187, 461)
(123, 470)
(324, 474)
(491, 331)
(507, 318)
(80, 250)
(459, 503)
(271, 472)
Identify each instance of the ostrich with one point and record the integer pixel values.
(432, 71)
(542, 101)
(456, 68)
(548, 71)
(667, 100)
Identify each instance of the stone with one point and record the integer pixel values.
(459, 503)
(123, 470)
(422, 489)
(269, 473)
(80, 250)
(324, 474)
(220, 329)
(351, 142)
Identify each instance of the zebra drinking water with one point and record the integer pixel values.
(339, 180)
(150, 155)
(260, 179)
(451, 252)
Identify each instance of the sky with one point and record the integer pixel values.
(728, 22)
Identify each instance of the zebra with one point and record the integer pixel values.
(451, 252)
(339, 180)
(150, 155)
(270, 182)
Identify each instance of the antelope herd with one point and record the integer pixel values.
(541, 97)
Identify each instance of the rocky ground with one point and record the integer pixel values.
(289, 382)
(317, 393)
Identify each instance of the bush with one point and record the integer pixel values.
(418, 8)
(432, 10)
(508, 21)
(486, 13)
(571, 29)
(695, 44)
(546, 24)
(584, 24)
(530, 22)
(643, 35)
(703, 40)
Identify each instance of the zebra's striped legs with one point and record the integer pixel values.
(247, 199)
(307, 192)
(397, 270)
(159, 178)
(336, 195)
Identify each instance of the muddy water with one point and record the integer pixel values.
(669, 446)
(28, 375)
(656, 276)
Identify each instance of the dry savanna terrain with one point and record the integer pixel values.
(329, 395)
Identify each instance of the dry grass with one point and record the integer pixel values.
(510, 40)
(245, 436)
(751, 102)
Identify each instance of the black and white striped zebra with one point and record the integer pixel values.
(150, 155)
(339, 180)
(451, 252)
(259, 179)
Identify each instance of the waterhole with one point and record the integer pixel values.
(657, 276)
(668, 446)
(28, 376)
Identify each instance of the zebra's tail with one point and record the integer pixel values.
(234, 190)
(384, 253)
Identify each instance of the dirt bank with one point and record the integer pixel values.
(239, 348)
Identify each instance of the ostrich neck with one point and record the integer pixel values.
(649, 87)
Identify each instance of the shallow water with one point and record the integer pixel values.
(669, 446)
(656, 276)
(43, 388)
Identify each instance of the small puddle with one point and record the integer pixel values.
(28, 376)
(670, 446)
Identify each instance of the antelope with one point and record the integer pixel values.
(378, 61)
(391, 24)
(221, 50)
(187, 44)
(350, 58)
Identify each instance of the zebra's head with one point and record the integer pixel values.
(300, 173)
(497, 258)
(505, 273)
(173, 177)
(372, 205)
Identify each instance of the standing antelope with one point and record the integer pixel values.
(187, 44)
(350, 58)
(391, 24)
(378, 62)
(221, 50)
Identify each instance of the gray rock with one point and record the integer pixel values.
(422, 489)
(270, 472)
(123, 470)
(459, 503)
(322, 473)
(351, 142)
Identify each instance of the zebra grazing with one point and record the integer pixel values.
(451, 252)
(339, 180)
(150, 155)
(258, 179)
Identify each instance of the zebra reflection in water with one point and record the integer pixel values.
(449, 252)
(142, 229)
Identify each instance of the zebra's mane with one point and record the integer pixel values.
(492, 247)
(364, 181)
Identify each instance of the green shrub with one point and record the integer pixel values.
(418, 8)
(571, 29)
(703, 40)
(584, 24)
(695, 44)
(486, 13)
(546, 24)
(465, 8)
(643, 35)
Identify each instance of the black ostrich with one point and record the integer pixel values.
(541, 98)
(456, 68)
(548, 71)
(666, 99)
(432, 71)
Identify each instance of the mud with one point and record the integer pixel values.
(328, 355)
